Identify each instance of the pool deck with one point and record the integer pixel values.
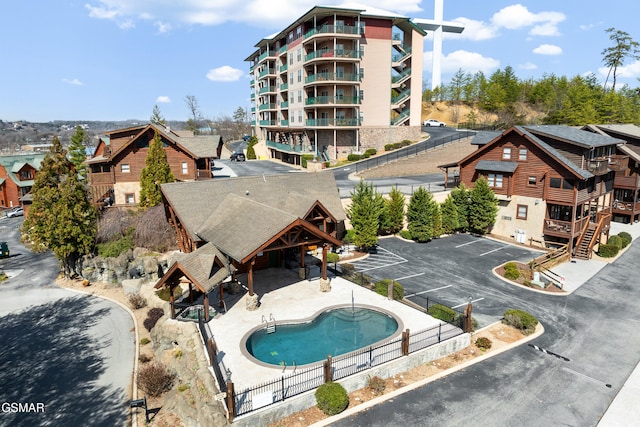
(286, 297)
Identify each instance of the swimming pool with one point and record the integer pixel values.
(332, 332)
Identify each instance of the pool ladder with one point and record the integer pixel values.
(271, 323)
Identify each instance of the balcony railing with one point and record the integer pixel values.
(267, 89)
(267, 122)
(284, 86)
(101, 178)
(284, 122)
(400, 117)
(331, 122)
(399, 57)
(284, 104)
(269, 106)
(322, 77)
(203, 174)
(598, 166)
(289, 148)
(283, 49)
(333, 53)
(401, 96)
(266, 55)
(284, 68)
(324, 100)
(402, 75)
(332, 29)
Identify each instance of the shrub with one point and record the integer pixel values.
(615, 241)
(354, 157)
(144, 340)
(155, 378)
(137, 301)
(521, 320)
(304, 159)
(442, 312)
(608, 250)
(143, 358)
(388, 147)
(183, 387)
(332, 398)
(332, 257)
(483, 343)
(152, 318)
(511, 271)
(348, 237)
(405, 234)
(117, 247)
(371, 152)
(163, 293)
(382, 288)
(626, 238)
(376, 385)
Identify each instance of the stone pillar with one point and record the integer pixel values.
(252, 302)
(325, 285)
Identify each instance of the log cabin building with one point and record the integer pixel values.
(116, 165)
(239, 225)
(553, 183)
(626, 165)
(17, 175)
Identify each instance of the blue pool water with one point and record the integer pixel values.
(337, 331)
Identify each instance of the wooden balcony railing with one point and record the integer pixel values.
(202, 174)
(100, 178)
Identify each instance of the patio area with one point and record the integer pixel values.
(285, 297)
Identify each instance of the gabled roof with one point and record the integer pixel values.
(206, 267)
(574, 136)
(238, 215)
(485, 136)
(497, 166)
(621, 130)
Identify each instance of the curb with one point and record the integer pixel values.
(380, 399)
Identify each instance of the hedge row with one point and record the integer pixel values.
(395, 146)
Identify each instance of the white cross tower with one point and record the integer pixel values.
(438, 26)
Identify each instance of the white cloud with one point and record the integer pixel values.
(518, 16)
(626, 71)
(469, 62)
(587, 27)
(548, 49)
(225, 74)
(163, 99)
(473, 30)
(163, 27)
(73, 82)
(527, 66)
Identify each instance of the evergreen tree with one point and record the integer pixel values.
(155, 172)
(449, 213)
(614, 56)
(251, 152)
(483, 207)
(78, 152)
(61, 218)
(393, 218)
(422, 216)
(460, 196)
(364, 213)
(156, 116)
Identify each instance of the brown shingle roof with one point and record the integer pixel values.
(202, 266)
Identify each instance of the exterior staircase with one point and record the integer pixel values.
(583, 250)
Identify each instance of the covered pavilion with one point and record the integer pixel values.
(238, 225)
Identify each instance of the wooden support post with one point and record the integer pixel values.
(250, 276)
(328, 376)
(221, 297)
(212, 351)
(325, 249)
(231, 402)
(468, 324)
(405, 343)
(206, 306)
(191, 292)
(302, 252)
(172, 302)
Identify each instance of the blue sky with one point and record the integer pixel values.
(116, 59)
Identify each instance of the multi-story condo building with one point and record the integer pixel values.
(337, 81)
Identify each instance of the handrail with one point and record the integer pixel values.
(597, 231)
(584, 230)
(549, 256)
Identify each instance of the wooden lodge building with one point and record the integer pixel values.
(116, 165)
(554, 183)
(239, 225)
(17, 175)
(626, 165)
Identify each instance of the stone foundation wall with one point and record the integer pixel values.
(379, 137)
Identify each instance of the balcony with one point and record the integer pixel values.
(267, 72)
(266, 55)
(267, 122)
(282, 50)
(284, 105)
(284, 68)
(284, 86)
(203, 174)
(554, 227)
(397, 99)
(333, 29)
(399, 57)
(332, 54)
(331, 122)
(327, 77)
(598, 166)
(101, 178)
(289, 148)
(326, 100)
(631, 182)
(267, 89)
(269, 106)
(284, 122)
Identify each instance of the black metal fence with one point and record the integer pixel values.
(332, 369)
(411, 150)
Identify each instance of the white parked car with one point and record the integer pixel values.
(433, 122)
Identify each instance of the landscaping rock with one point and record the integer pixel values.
(131, 286)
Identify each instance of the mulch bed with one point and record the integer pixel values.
(527, 275)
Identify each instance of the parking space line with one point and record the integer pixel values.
(408, 277)
(494, 250)
(470, 302)
(427, 291)
(468, 243)
(380, 266)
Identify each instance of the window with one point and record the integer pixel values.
(185, 168)
(506, 153)
(532, 181)
(299, 96)
(522, 212)
(129, 198)
(523, 154)
(299, 76)
(567, 184)
(299, 54)
(124, 168)
(300, 116)
(26, 175)
(291, 78)
(291, 58)
(555, 182)
(494, 180)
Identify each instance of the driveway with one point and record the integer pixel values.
(71, 352)
(594, 328)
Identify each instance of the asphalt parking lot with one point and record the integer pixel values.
(452, 270)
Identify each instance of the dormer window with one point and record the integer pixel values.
(506, 153)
